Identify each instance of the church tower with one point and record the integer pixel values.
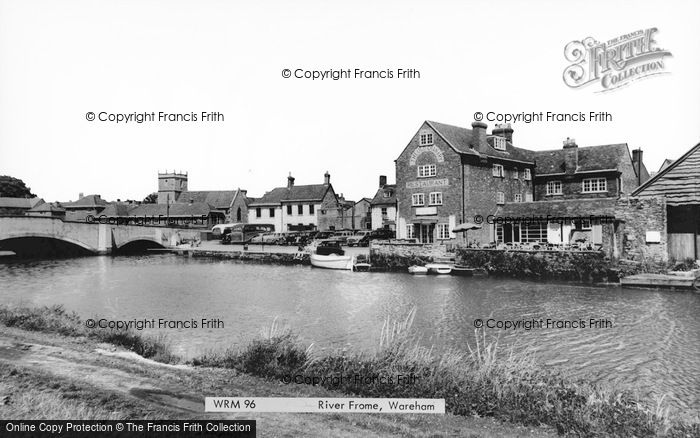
(170, 185)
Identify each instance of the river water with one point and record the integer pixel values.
(653, 344)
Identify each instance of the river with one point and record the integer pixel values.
(653, 344)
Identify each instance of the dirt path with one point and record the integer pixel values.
(143, 388)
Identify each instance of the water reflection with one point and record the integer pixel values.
(654, 343)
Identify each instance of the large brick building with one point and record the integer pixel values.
(448, 175)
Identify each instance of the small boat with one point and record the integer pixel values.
(462, 271)
(438, 268)
(333, 261)
(417, 270)
(362, 267)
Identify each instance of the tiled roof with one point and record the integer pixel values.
(194, 209)
(379, 198)
(86, 202)
(52, 207)
(215, 198)
(118, 209)
(25, 203)
(461, 140)
(679, 182)
(590, 158)
(583, 208)
(311, 192)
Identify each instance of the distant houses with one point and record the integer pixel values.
(18, 206)
(384, 206)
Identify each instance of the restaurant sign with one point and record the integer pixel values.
(428, 183)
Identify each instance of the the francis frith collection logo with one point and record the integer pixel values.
(614, 63)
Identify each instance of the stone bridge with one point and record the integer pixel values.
(28, 235)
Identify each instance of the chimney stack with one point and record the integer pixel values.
(478, 134)
(637, 163)
(570, 143)
(504, 130)
(290, 181)
(382, 181)
(327, 178)
(80, 195)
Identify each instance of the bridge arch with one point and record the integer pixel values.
(32, 244)
(137, 244)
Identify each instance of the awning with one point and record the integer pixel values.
(461, 228)
(425, 220)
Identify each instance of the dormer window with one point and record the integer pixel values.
(426, 138)
(499, 143)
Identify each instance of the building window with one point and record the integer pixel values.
(518, 197)
(554, 188)
(443, 231)
(384, 211)
(499, 143)
(387, 193)
(311, 208)
(289, 210)
(427, 170)
(409, 231)
(515, 173)
(528, 175)
(258, 212)
(300, 209)
(435, 198)
(500, 198)
(582, 224)
(498, 170)
(426, 138)
(272, 212)
(418, 199)
(592, 185)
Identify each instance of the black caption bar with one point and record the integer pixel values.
(135, 428)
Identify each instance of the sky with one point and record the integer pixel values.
(60, 60)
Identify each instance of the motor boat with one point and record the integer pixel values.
(333, 261)
(417, 270)
(462, 271)
(438, 268)
(330, 255)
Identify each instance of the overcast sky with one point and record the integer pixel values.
(62, 59)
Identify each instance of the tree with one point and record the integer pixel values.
(151, 199)
(14, 188)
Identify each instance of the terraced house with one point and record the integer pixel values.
(299, 207)
(448, 175)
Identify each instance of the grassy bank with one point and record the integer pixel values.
(486, 382)
(55, 319)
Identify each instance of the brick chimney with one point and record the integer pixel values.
(290, 181)
(637, 163)
(478, 134)
(327, 178)
(570, 155)
(504, 130)
(382, 181)
(80, 195)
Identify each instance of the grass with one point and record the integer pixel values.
(486, 381)
(55, 319)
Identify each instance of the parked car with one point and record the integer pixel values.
(361, 238)
(323, 235)
(382, 234)
(341, 236)
(328, 247)
(268, 238)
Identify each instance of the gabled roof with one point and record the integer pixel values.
(679, 181)
(118, 209)
(215, 198)
(590, 158)
(307, 193)
(19, 203)
(569, 208)
(667, 162)
(380, 199)
(89, 201)
(461, 140)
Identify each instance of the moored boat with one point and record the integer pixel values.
(438, 268)
(333, 261)
(417, 270)
(462, 271)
